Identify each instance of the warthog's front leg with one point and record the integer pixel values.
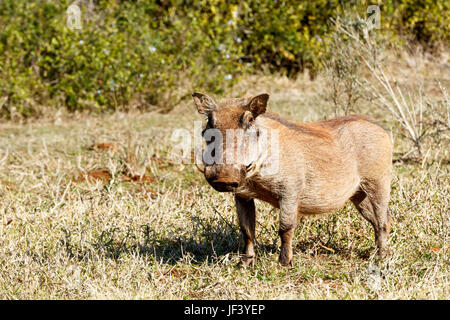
(288, 222)
(246, 213)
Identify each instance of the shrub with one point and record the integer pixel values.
(150, 54)
(426, 21)
(126, 53)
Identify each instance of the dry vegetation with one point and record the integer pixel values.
(92, 207)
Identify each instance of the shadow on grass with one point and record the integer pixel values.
(207, 242)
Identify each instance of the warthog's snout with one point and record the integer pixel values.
(224, 185)
(223, 178)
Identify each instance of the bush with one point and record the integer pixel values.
(426, 21)
(150, 54)
(126, 53)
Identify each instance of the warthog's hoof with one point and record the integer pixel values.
(247, 261)
(285, 260)
(383, 254)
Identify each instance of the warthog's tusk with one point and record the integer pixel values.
(200, 167)
(253, 168)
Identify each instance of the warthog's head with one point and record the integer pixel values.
(230, 134)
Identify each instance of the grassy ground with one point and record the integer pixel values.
(92, 207)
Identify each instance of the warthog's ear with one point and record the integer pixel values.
(204, 103)
(258, 104)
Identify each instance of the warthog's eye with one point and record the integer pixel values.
(247, 119)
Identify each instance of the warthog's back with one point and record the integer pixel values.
(370, 145)
(329, 160)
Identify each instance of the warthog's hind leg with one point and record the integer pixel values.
(373, 206)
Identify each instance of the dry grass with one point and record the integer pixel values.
(92, 207)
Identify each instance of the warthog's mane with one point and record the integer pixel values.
(318, 129)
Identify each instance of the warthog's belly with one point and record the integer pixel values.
(317, 199)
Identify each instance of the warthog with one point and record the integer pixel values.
(321, 166)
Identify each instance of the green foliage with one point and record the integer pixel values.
(426, 21)
(126, 53)
(150, 54)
